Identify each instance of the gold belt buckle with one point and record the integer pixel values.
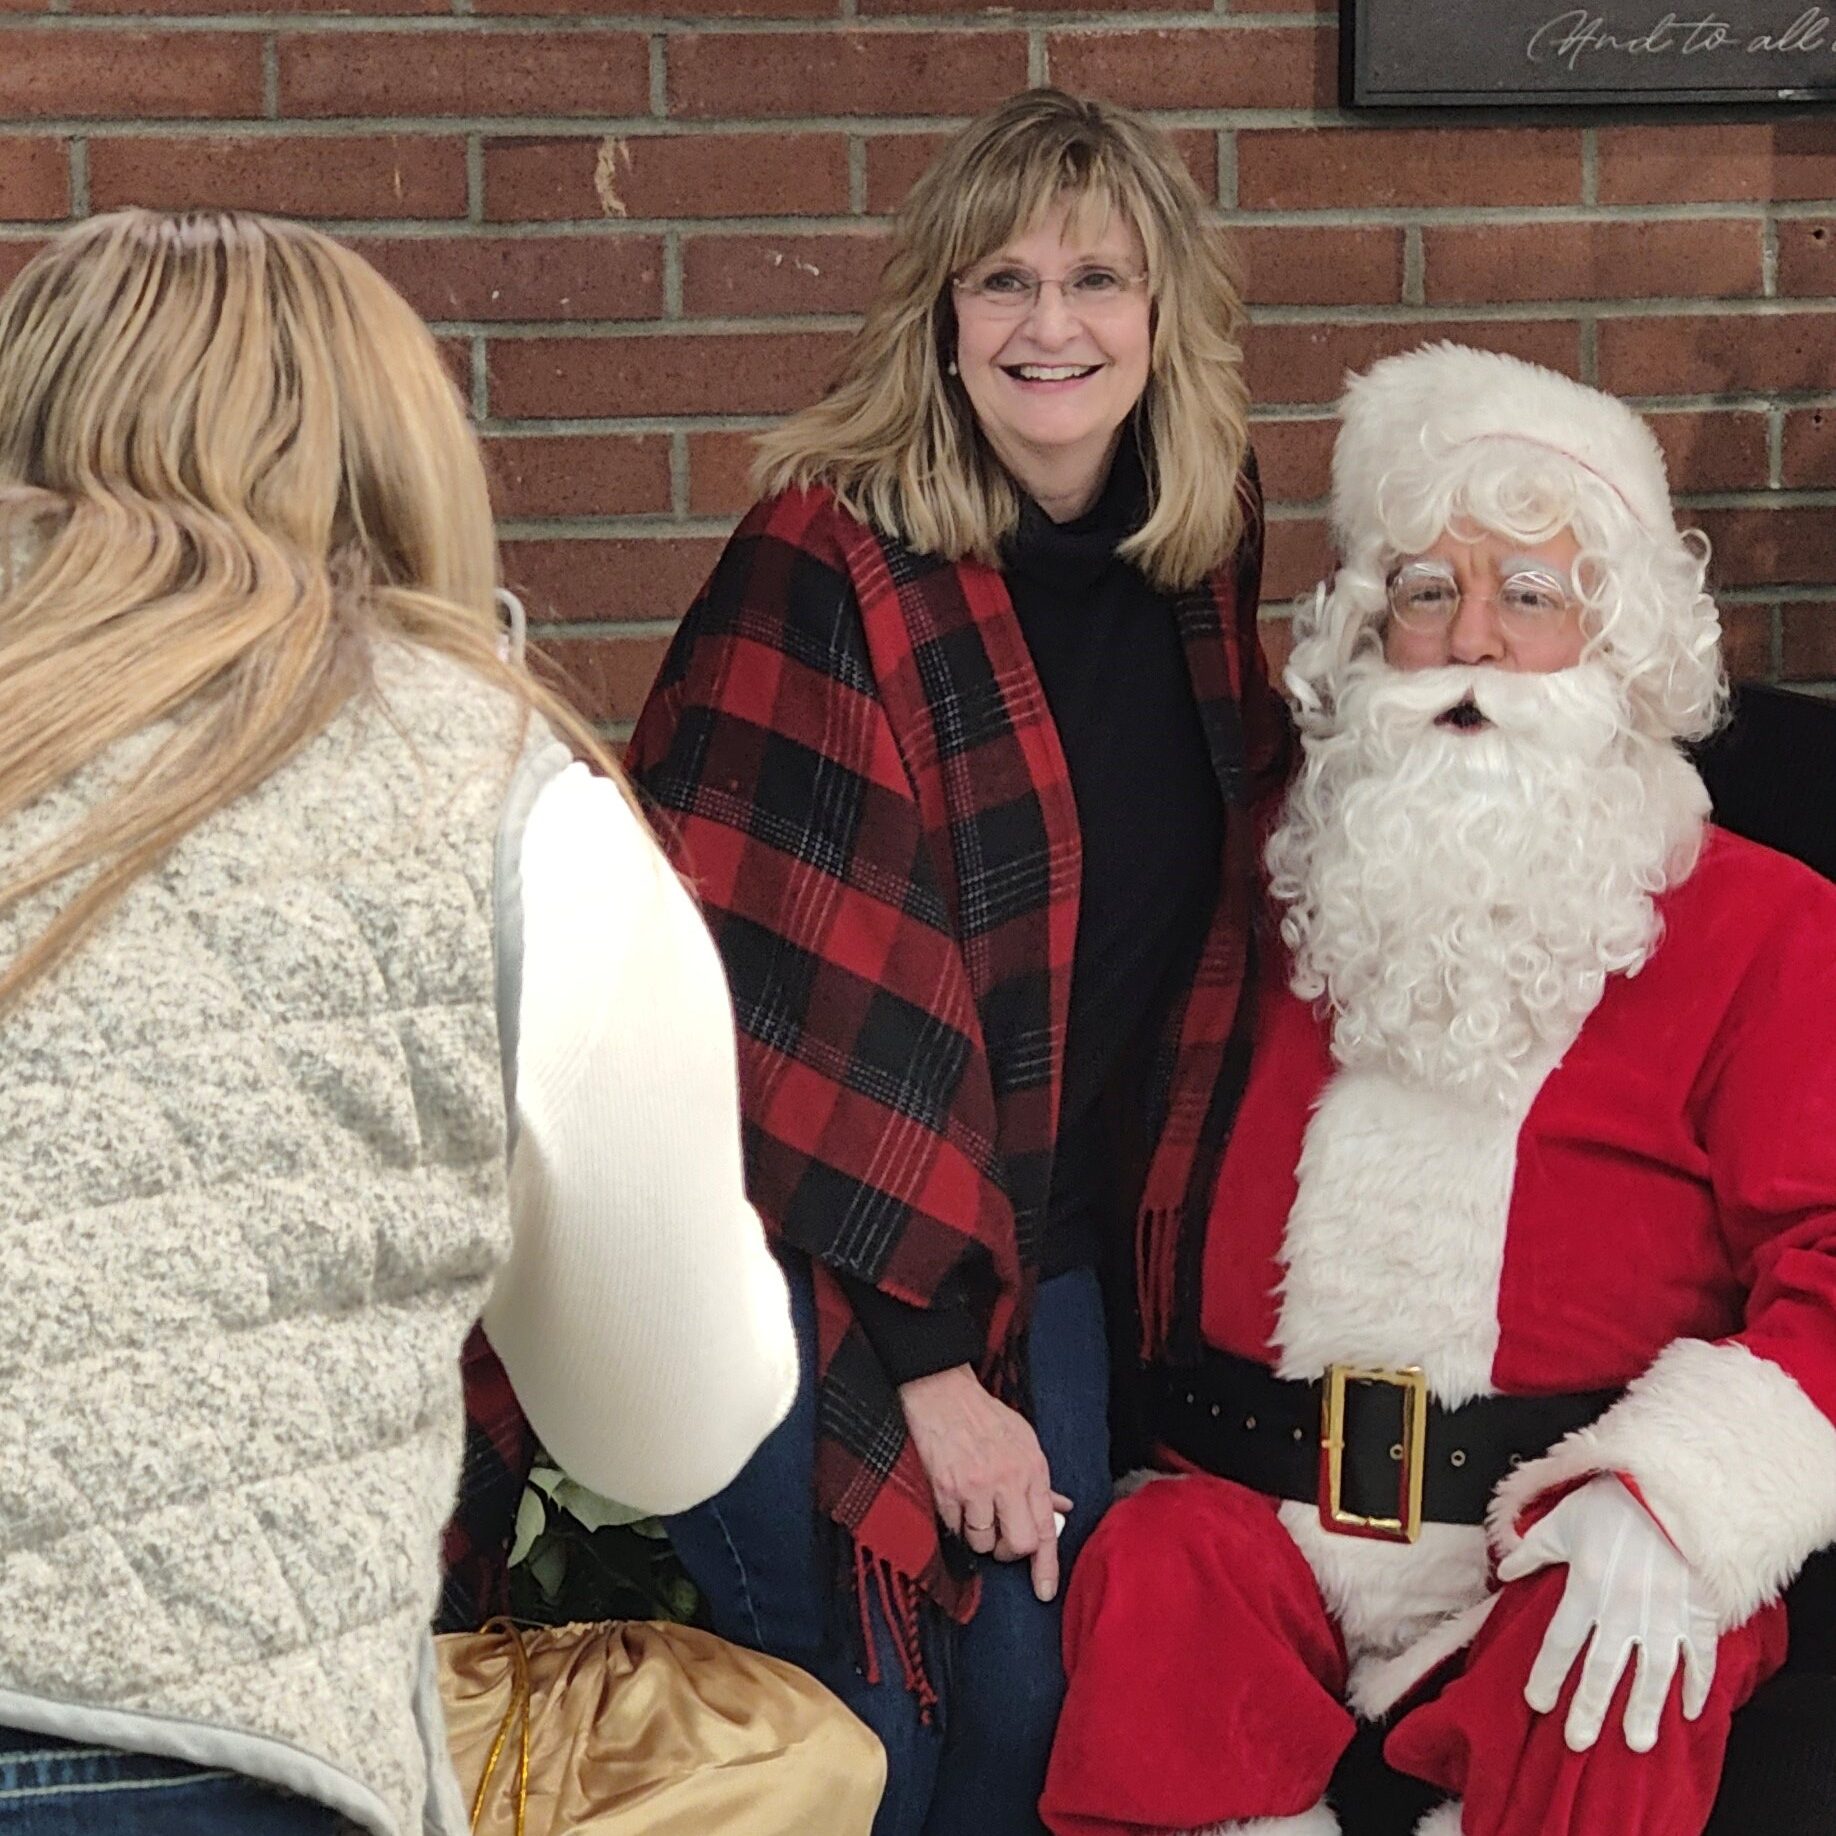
(1406, 1525)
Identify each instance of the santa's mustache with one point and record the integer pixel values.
(1576, 712)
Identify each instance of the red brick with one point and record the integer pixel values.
(1718, 354)
(666, 175)
(1296, 557)
(1809, 454)
(1713, 451)
(524, 277)
(1682, 163)
(107, 74)
(1786, 546)
(665, 373)
(300, 175)
(15, 254)
(1807, 254)
(720, 472)
(748, 276)
(25, 6)
(671, 9)
(371, 7)
(1200, 66)
(1304, 266)
(1385, 168)
(1309, 363)
(456, 358)
(1295, 458)
(34, 180)
(998, 9)
(1277, 639)
(895, 163)
(1746, 642)
(464, 73)
(606, 678)
(843, 73)
(1808, 650)
(609, 578)
(536, 475)
(1706, 259)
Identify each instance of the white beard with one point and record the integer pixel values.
(1460, 898)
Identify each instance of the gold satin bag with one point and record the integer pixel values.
(640, 1728)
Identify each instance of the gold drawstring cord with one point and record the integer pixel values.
(518, 1711)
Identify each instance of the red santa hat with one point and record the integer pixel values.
(1406, 417)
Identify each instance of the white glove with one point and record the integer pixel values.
(1630, 1589)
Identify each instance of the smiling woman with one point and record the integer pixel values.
(1052, 344)
(957, 745)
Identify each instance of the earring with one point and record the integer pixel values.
(950, 367)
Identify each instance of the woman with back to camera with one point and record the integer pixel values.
(956, 746)
(283, 840)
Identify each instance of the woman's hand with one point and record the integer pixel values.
(988, 1473)
(1630, 1599)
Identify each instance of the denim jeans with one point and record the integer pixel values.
(65, 1788)
(765, 1563)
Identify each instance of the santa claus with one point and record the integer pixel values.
(1528, 1221)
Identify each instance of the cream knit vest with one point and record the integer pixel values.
(252, 1193)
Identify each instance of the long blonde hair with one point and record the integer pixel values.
(242, 465)
(896, 438)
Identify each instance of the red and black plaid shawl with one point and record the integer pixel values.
(855, 766)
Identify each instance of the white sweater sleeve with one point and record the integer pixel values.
(641, 1318)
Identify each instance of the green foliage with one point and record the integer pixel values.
(578, 1556)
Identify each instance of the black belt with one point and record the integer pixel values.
(1401, 1459)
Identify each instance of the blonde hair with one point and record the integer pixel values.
(242, 466)
(896, 439)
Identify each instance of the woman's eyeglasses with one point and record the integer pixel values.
(1005, 290)
(1424, 596)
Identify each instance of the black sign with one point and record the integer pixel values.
(1469, 53)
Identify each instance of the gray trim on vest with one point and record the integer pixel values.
(444, 1813)
(201, 1743)
(543, 761)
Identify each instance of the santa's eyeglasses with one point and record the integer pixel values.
(1424, 596)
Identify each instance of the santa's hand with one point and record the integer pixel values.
(1629, 1593)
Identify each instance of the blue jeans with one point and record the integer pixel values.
(765, 1562)
(64, 1788)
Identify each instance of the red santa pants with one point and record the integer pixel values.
(1206, 1681)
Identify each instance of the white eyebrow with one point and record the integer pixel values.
(1531, 564)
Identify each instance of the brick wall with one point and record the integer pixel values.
(640, 227)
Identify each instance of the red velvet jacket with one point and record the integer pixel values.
(1665, 1219)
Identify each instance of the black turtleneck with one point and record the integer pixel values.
(1151, 819)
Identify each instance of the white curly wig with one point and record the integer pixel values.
(1447, 437)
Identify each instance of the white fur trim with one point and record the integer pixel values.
(1738, 1464)
(1393, 1253)
(1386, 1596)
(1377, 1685)
(1395, 1244)
(1443, 1820)
(1407, 413)
(1317, 1822)
(1132, 1482)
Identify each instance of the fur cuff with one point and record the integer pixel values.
(1317, 1822)
(1733, 1459)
